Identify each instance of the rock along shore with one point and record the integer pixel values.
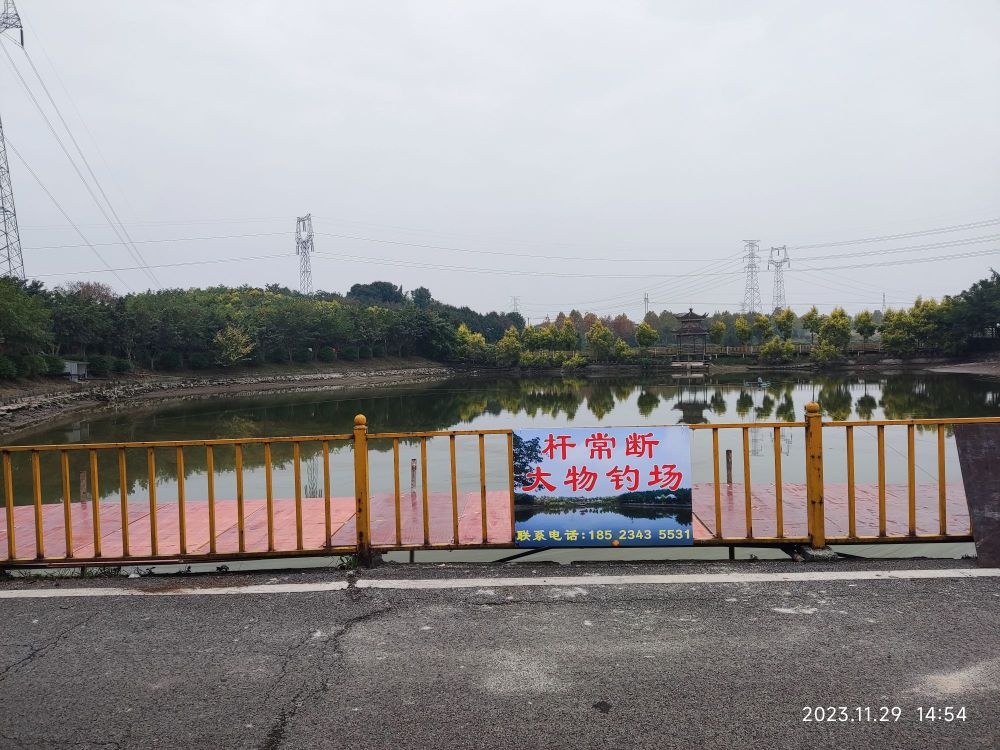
(38, 406)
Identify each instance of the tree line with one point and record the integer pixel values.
(227, 326)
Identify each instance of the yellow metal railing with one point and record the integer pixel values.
(232, 520)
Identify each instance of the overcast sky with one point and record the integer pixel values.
(631, 144)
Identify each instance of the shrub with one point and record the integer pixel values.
(327, 354)
(120, 366)
(99, 365)
(302, 355)
(541, 359)
(350, 352)
(54, 364)
(8, 370)
(576, 362)
(777, 350)
(201, 360)
(168, 361)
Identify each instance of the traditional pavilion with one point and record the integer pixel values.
(692, 336)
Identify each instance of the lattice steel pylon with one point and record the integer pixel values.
(779, 260)
(11, 260)
(751, 296)
(304, 249)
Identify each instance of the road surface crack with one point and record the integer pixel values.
(308, 692)
(38, 652)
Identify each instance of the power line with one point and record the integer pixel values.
(171, 239)
(86, 163)
(66, 216)
(178, 264)
(72, 161)
(903, 235)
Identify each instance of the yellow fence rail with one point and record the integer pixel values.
(201, 500)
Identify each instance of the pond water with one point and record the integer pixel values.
(491, 403)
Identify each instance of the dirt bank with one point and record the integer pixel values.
(23, 406)
(983, 367)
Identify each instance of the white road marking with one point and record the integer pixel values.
(266, 588)
(479, 583)
(678, 578)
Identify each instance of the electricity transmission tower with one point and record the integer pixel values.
(779, 260)
(304, 249)
(751, 296)
(11, 261)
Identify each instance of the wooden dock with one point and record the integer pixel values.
(440, 520)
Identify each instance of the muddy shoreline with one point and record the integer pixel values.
(52, 405)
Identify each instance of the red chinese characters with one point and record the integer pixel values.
(558, 443)
(581, 480)
(536, 478)
(665, 476)
(600, 444)
(627, 478)
(640, 444)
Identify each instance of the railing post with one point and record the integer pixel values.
(361, 489)
(814, 476)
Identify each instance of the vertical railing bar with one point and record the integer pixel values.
(181, 502)
(423, 488)
(241, 530)
(880, 432)
(210, 476)
(297, 474)
(67, 502)
(911, 478)
(269, 495)
(510, 480)
(852, 519)
(36, 491)
(746, 483)
(123, 491)
(482, 487)
(151, 478)
(8, 491)
(942, 492)
(717, 483)
(95, 502)
(327, 513)
(779, 517)
(395, 484)
(454, 488)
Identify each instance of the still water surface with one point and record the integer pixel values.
(489, 403)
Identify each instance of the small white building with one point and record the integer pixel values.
(76, 370)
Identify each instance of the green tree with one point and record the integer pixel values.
(569, 339)
(744, 332)
(761, 327)
(717, 331)
(646, 335)
(472, 346)
(526, 453)
(508, 348)
(25, 323)
(784, 323)
(777, 351)
(232, 346)
(601, 341)
(833, 337)
(811, 322)
(864, 324)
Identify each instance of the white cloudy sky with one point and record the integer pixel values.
(574, 154)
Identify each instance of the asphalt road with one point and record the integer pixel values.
(688, 665)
